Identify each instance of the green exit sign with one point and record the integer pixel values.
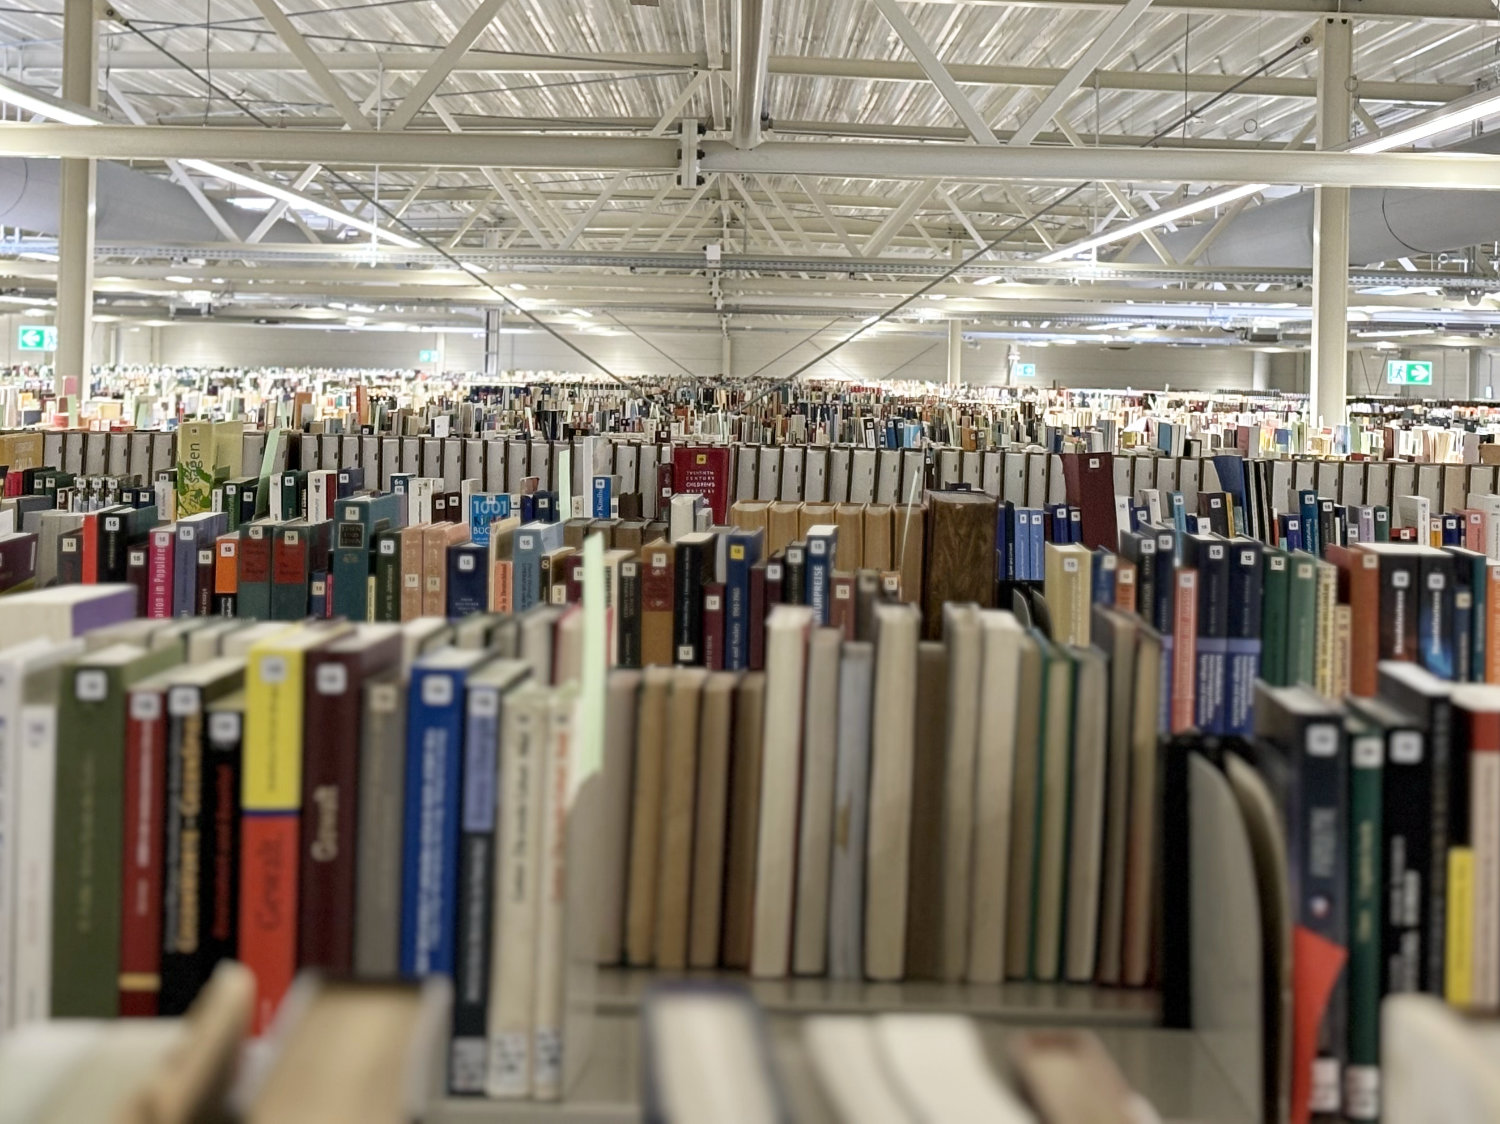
(36, 337)
(1026, 370)
(427, 355)
(1408, 372)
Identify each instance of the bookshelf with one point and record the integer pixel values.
(1172, 1069)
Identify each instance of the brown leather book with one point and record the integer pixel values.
(744, 819)
(749, 515)
(811, 515)
(710, 818)
(646, 819)
(658, 589)
(1089, 483)
(960, 555)
(674, 872)
(411, 571)
(924, 903)
(435, 543)
(878, 554)
(630, 534)
(783, 525)
(849, 554)
(574, 532)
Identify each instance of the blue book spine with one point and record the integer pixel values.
(1307, 509)
(1103, 575)
(528, 507)
(743, 553)
(1453, 530)
(1038, 543)
(317, 595)
(1139, 513)
(1179, 511)
(526, 573)
(468, 587)
(1212, 563)
(1246, 590)
(601, 497)
(476, 874)
(1435, 632)
(1075, 524)
(1479, 620)
(184, 569)
(820, 549)
(429, 869)
(484, 509)
(351, 567)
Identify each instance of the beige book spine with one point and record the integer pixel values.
(888, 855)
(994, 773)
(645, 829)
(710, 819)
(961, 634)
(744, 819)
(1327, 576)
(877, 539)
(675, 856)
(411, 571)
(614, 844)
(815, 834)
(551, 934)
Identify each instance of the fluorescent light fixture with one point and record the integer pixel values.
(1155, 219)
(299, 201)
(37, 255)
(1463, 111)
(178, 279)
(36, 101)
(476, 270)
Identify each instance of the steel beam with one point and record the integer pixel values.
(311, 62)
(75, 240)
(1104, 43)
(442, 66)
(752, 48)
(1328, 388)
(936, 72)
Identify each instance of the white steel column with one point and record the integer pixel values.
(1260, 370)
(726, 350)
(1329, 386)
(955, 352)
(492, 320)
(75, 240)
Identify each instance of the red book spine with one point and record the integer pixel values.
(713, 626)
(664, 489)
(330, 784)
(159, 574)
(145, 789)
(1184, 650)
(136, 573)
(90, 548)
(704, 471)
(1125, 589)
(841, 605)
(756, 624)
(573, 578)
(254, 560)
(268, 907)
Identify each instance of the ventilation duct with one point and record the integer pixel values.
(130, 206)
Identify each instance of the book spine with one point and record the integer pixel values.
(1405, 806)
(755, 619)
(31, 983)
(271, 801)
(330, 812)
(1243, 644)
(1435, 631)
(1211, 714)
(687, 609)
(551, 944)
(159, 575)
(140, 933)
(1362, 1078)
(629, 620)
(184, 969)
(1398, 607)
(219, 874)
(1459, 954)
(476, 885)
(429, 879)
(820, 576)
(737, 608)
(713, 626)
(1484, 826)
(1327, 602)
(1184, 649)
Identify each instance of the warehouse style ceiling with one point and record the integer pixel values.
(768, 162)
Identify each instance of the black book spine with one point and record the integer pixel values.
(70, 558)
(225, 604)
(687, 613)
(1406, 847)
(476, 878)
(1435, 640)
(1175, 923)
(1398, 606)
(629, 622)
(182, 960)
(794, 576)
(1163, 609)
(114, 541)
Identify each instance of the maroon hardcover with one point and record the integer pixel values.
(1089, 479)
(336, 674)
(713, 626)
(756, 659)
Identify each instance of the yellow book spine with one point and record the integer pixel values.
(273, 728)
(1458, 984)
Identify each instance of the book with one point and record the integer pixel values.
(646, 816)
(815, 830)
(891, 748)
(710, 818)
(851, 811)
(959, 554)
(675, 855)
(744, 819)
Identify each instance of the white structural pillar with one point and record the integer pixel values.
(955, 352)
(492, 321)
(75, 241)
(1328, 392)
(726, 351)
(1260, 370)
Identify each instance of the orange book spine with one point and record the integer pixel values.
(227, 565)
(1184, 650)
(502, 591)
(1125, 588)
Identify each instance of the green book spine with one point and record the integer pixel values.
(1302, 619)
(1382, 523)
(1367, 752)
(89, 827)
(1273, 649)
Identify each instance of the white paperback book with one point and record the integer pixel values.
(787, 630)
(846, 893)
(1002, 639)
(939, 1065)
(517, 894)
(552, 957)
(815, 832)
(891, 758)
